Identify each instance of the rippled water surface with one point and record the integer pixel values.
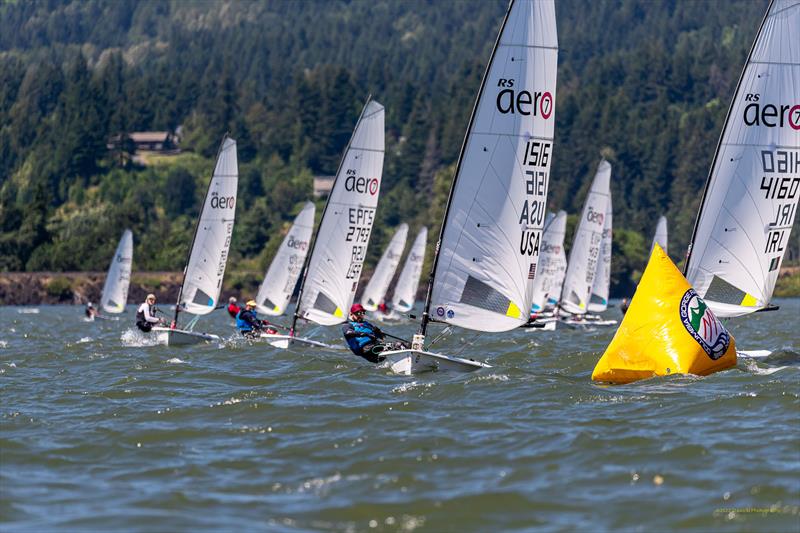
(100, 430)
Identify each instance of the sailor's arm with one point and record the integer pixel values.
(148, 316)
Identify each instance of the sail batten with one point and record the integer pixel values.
(488, 251)
(749, 205)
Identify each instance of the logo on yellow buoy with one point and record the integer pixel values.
(703, 325)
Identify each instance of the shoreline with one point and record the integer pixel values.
(77, 288)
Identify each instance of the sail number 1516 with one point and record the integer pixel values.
(537, 154)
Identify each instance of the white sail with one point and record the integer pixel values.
(585, 251)
(598, 298)
(489, 248)
(405, 292)
(554, 296)
(660, 236)
(751, 196)
(284, 271)
(209, 253)
(384, 271)
(115, 289)
(550, 273)
(341, 242)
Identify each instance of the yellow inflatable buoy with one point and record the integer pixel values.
(668, 329)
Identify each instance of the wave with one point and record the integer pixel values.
(135, 338)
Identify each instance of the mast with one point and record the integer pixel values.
(423, 326)
(719, 141)
(194, 235)
(322, 218)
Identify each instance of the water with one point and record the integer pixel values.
(99, 431)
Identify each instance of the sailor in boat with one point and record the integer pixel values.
(383, 308)
(248, 323)
(623, 306)
(233, 307)
(364, 339)
(146, 314)
(90, 310)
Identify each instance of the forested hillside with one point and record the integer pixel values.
(644, 83)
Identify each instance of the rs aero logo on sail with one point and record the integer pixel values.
(222, 202)
(362, 184)
(511, 100)
(757, 113)
(595, 216)
(296, 243)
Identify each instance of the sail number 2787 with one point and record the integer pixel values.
(359, 227)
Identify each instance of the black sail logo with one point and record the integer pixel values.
(757, 113)
(222, 202)
(523, 102)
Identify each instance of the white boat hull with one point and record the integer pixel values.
(588, 322)
(180, 337)
(285, 341)
(541, 324)
(753, 354)
(409, 362)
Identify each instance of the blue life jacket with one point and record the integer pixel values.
(357, 344)
(241, 323)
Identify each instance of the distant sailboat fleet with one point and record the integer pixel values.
(499, 261)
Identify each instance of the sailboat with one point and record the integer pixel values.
(378, 284)
(585, 252)
(337, 252)
(554, 295)
(547, 254)
(741, 231)
(487, 253)
(115, 289)
(598, 296)
(208, 254)
(660, 236)
(750, 200)
(405, 292)
(549, 271)
(284, 271)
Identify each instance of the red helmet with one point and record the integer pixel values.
(355, 308)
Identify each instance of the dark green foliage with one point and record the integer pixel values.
(179, 193)
(645, 84)
(59, 288)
